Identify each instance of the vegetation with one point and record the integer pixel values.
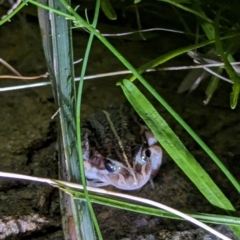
(215, 31)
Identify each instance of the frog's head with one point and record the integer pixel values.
(127, 174)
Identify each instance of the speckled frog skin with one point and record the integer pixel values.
(119, 150)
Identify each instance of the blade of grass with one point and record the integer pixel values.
(174, 3)
(57, 42)
(176, 149)
(139, 208)
(211, 87)
(108, 9)
(230, 70)
(78, 118)
(210, 33)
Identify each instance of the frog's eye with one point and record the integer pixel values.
(146, 154)
(110, 166)
(143, 155)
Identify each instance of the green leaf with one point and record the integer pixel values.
(176, 149)
(108, 9)
(212, 86)
(234, 95)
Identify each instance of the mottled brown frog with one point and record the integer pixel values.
(119, 150)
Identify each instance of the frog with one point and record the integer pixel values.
(119, 149)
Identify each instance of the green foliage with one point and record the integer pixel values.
(108, 9)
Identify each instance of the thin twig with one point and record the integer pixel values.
(110, 74)
(24, 77)
(9, 67)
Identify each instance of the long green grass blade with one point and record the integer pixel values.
(78, 119)
(188, 9)
(56, 34)
(139, 208)
(176, 149)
